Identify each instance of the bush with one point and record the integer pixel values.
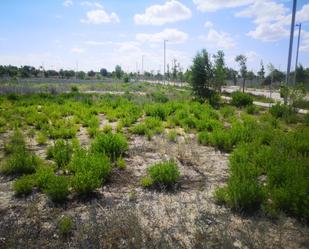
(146, 182)
(90, 171)
(251, 109)
(121, 163)
(65, 225)
(74, 89)
(43, 176)
(240, 99)
(280, 110)
(172, 136)
(16, 143)
(41, 139)
(24, 185)
(158, 97)
(60, 152)
(57, 188)
(165, 173)
(149, 127)
(20, 162)
(113, 145)
(220, 139)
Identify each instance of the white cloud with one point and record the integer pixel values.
(129, 48)
(77, 50)
(98, 43)
(269, 32)
(214, 5)
(219, 39)
(264, 11)
(171, 11)
(251, 56)
(67, 3)
(208, 24)
(272, 19)
(172, 35)
(100, 16)
(305, 42)
(92, 4)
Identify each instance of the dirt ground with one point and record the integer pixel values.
(122, 214)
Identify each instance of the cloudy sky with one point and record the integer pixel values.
(88, 35)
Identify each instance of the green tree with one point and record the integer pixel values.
(261, 73)
(118, 72)
(242, 61)
(201, 76)
(219, 70)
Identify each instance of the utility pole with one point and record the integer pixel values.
(164, 61)
(290, 48)
(297, 51)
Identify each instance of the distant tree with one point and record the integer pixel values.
(104, 72)
(219, 70)
(261, 73)
(51, 73)
(242, 61)
(174, 70)
(201, 76)
(91, 73)
(118, 72)
(251, 75)
(301, 76)
(81, 75)
(232, 75)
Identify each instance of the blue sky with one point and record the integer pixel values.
(73, 34)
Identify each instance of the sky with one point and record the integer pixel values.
(89, 35)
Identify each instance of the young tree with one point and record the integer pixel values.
(219, 70)
(242, 61)
(103, 72)
(261, 73)
(118, 72)
(201, 76)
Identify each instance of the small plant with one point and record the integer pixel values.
(165, 174)
(280, 110)
(57, 188)
(74, 89)
(121, 163)
(20, 162)
(172, 136)
(61, 153)
(251, 109)
(16, 143)
(107, 129)
(41, 139)
(146, 182)
(24, 185)
(240, 99)
(90, 171)
(65, 225)
(43, 175)
(112, 145)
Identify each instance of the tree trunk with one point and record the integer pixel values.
(243, 85)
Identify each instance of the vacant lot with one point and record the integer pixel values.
(75, 171)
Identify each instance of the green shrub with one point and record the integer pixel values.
(60, 152)
(41, 139)
(121, 163)
(74, 89)
(20, 162)
(65, 225)
(172, 136)
(24, 185)
(113, 145)
(251, 109)
(107, 129)
(165, 173)
(43, 176)
(90, 171)
(240, 99)
(158, 97)
(160, 111)
(280, 110)
(16, 143)
(57, 188)
(220, 139)
(147, 182)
